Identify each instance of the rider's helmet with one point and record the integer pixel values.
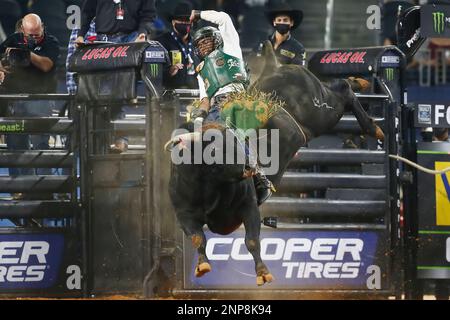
(206, 40)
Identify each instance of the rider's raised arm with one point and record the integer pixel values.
(229, 34)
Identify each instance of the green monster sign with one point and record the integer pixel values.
(435, 21)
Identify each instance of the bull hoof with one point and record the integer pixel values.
(202, 268)
(265, 278)
(379, 134)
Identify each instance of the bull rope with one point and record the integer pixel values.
(419, 167)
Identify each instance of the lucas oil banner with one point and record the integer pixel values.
(297, 260)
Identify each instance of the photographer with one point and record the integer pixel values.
(34, 54)
(28, 66)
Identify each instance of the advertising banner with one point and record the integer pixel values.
(296, 259)
(33, 262)
(433, 255)
(432, 115)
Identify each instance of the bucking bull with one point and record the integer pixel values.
(200, 193)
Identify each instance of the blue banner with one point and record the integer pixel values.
(30, 261)
(296, 259)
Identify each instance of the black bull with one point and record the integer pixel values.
(311, 108)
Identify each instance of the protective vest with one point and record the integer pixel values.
(219, 69)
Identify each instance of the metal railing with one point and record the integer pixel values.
(433, 71)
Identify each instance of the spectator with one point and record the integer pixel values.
(70, 76)
(285, 19)
(435, 45)
(44, 52)
(440, 134)
(132, 19)
(118, 21)
(35, 75)
(18, 27)
(178, 42)
(166, 7)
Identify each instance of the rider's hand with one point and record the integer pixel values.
(195, 16)
(141, 38)
(175, 68)
(2, 77)
(198, 113)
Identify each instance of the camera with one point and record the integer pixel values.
(16, 58)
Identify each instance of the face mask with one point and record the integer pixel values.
(282, 28)
(183, 28)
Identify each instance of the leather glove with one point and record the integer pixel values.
(198, 113)
(195, 16)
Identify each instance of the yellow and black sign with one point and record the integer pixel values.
(443, 195)
(433, 209)
(176, 57)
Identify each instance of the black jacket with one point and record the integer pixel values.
(139, 15)
(289, 52)
(182, 79)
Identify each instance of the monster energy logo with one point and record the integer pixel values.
(389, 74)
(439, 22)
(154, 70)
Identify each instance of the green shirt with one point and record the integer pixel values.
(220, 69)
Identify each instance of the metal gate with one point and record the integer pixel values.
(42, 248)
(337, 210)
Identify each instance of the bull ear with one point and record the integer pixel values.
(270, 61)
